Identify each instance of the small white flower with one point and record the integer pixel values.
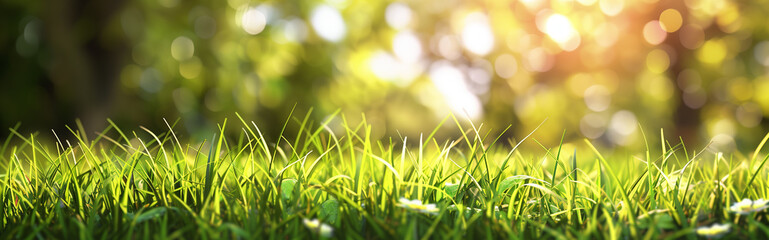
(477, 210)
(417, 205)
(713, 231)
(317, 227)
(747, 206)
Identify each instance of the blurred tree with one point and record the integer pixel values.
(88, 51)
(597, 68)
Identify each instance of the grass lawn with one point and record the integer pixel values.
(344, 184)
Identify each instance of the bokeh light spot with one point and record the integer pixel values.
(560, 29)
(593, 125)
(151, 80)
(398, 15)
(538, 60)
(586, 2)
(606, 34)
(656, 86)
(505, 66)
(721, 125)
(670, 20)
(480, 79)
(532, 5)
(689, 80)
(295, 30)
(740, 89)
(729, 18)
(184, 100)
(657, 61)
(578, 83)
(723, 143)
(695, 98)
(253, 21)
(761, 53)
(190, 68)
(622, 125)
(182, 48)
(611, 7)
(691, 36)
(328, 23)
(749, 114)
(384, 65)
(712, 52)
(449, 48)
(597, 98)
(653, 33)
(387, 67)
(451, 83)
(407, 47)
(477, 36)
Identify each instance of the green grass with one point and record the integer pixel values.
(143, 184)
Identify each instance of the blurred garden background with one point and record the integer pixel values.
(598, 69)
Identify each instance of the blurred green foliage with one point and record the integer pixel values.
(596, 68)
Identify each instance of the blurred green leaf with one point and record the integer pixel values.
(287, 188)
(329, 211)
(509, 182)
(152, 213)
(452, 189)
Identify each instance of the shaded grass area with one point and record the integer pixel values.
(143, 184)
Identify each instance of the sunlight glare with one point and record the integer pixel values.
(477, 36)
(560, 29)
(407, 47)
(451, 83)
(328, 23)
(384, 66)
(387, 67)
(398, 15)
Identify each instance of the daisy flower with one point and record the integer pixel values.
(713, 231)
(317, 227)
(747, 206)
(416, 205)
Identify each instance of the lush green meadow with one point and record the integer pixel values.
(341, 183)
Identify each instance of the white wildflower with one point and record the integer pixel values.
(416, 205)
(713, 231)
(747, 206)
(317, 227)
